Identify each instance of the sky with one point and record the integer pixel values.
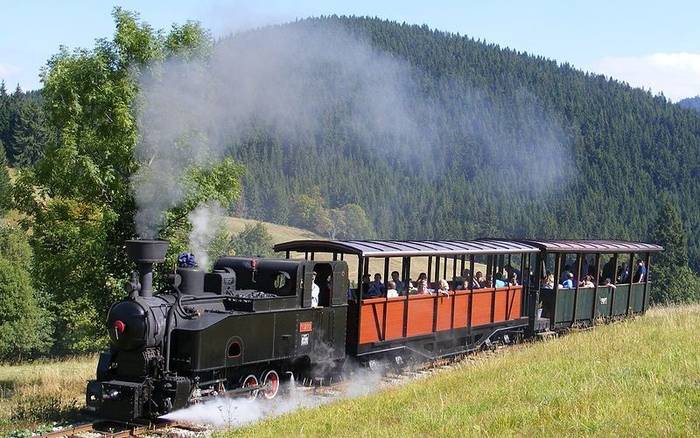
(655, 45)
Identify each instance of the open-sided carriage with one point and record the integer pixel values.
(428, 325)
(617, 288)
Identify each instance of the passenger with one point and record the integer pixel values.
(499, 280)
(623, 274)
(641, 272)
(463, 282)
(488, 282)
(443, 287)
(565, 274)
(511, 270)
(587, 282)
(315, 290)
(608, 269)
(397, 282)
(366, 280)
(392, 292)
(569, 282)
(548, 282)
(376, 288)
(609, 283)
(479, 279)
(513, 280)
(422, 284)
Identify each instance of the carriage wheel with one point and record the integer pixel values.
(272, 379)
(251, 380)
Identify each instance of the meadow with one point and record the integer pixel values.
(637, 377)
(634, 378)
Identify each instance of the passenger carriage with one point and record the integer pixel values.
(428, 325)
(602, 259)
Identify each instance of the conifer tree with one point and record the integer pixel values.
(5, 183)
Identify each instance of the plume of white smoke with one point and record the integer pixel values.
(291, 82)
(283, 80)
(205, 227)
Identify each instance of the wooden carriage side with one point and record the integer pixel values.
(428, 324)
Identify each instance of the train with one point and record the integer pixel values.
(250, 324)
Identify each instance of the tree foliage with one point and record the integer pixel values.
(5, 184)
(674, 281)
(253, 240)
(78, 196)
(25, 327)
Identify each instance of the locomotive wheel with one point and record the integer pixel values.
(251, 380)
(271, 378)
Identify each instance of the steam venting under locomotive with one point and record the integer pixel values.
(242, 328)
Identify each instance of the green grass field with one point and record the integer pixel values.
(634, 378)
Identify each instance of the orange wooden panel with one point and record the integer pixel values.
(481, 307)
(372, 320)
(515, 303)
(444, 308)
(420, 315)
(394, 318)
(461, 304)
(499, 312)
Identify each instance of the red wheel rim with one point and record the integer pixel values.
(271, 379)
(251, 380)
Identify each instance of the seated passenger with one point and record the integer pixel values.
(366, 280)
(569, 282)
(488, 282)
(422, 284)
(548, 281)
(376, 288)
(462, 282)
(499, 280)
(397, 282)
(565, 274)
(443, 287)
(392, 292)
(513, 280)
(479, 279)
(587, 282)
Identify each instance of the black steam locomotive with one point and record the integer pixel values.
(251, 323)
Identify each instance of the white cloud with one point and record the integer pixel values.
(677, 75)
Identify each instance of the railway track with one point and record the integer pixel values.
(112, 429)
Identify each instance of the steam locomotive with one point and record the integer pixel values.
(251, 323)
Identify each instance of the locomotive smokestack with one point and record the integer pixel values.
(145, 253)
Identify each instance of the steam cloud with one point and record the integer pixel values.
(205, 225)
(225, 412)
(288, 81)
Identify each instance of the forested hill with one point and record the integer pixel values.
(690, 102)
(606, 153)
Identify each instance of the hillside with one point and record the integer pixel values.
(635, 378)
(279, 233)
(691, 103)
(505, 144)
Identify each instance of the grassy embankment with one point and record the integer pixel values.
(635, 378)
